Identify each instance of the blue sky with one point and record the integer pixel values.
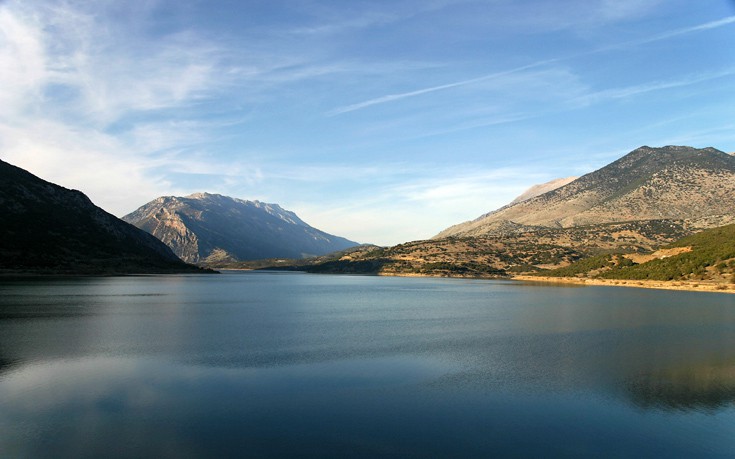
(380, 121)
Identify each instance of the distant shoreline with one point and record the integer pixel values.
(689, 286)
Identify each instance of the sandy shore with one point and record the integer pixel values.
(665, 285)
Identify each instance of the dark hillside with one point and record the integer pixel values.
(50, 229)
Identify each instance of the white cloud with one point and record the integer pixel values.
(114, 75)
(99, 164)
(419, 207)
(22, 60)
(70, 71)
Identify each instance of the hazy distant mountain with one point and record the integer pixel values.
(46, 228)
(211, 228)
(674, 183)
(542, 188)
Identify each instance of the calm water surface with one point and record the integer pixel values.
(283, 364)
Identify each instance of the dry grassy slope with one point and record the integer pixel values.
(675, 192)
(649, 183)
(516, 252)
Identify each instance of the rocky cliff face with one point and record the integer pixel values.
(210, 228)
(46, 228)
(672, 183)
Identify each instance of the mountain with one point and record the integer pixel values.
(636, 205)
(542, 188)
(49, 229)
(672, 183)
(214, 229)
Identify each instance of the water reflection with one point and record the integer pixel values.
(321, 365)
(7, 365)
(111, 406)
(123, 407)
(703, 388)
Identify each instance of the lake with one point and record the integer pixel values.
(295, 365)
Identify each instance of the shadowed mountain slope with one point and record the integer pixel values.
(211, 228)
(49, 229)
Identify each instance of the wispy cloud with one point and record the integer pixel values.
(100, 163)
(471, 81)
(84, 103)
(418, 92)
(636, 90)
(670, 34)
(625, 9)
(23, 60)
(334, 27)
(437, 197)
(73, 60)
(354, 15)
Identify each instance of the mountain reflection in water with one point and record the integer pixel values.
(703, 388)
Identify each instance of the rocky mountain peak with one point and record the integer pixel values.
(203, 195)
(227, 202)
(206, 227)
(542, 188)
